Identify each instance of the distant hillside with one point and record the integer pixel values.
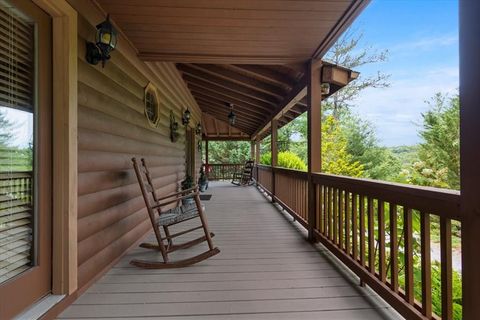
(405, 154)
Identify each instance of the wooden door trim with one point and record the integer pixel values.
(64, 57)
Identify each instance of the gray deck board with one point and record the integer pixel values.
(266, 270)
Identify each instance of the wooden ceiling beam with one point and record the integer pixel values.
(240, 79)
(239, 112)
(193, 73)
(223, 116)
(297, 93)
(241, 106)
(242, 126)
(210, 89)
(265, 74)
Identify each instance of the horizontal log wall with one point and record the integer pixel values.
(112, 128)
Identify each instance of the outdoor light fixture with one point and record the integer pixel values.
(198, 129)
(105, 42)
(186, 117)
(231, 116)
(325, 87)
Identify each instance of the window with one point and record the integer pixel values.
(152, 105)
(17, 140)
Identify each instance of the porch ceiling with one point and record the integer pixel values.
(230, 31)
(252, 54)
(255, 91)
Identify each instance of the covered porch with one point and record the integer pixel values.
(266, 270)
(298, 244)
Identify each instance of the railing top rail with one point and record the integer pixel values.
(15, 175)
(442, 202)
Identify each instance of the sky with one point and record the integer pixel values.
(422, 39)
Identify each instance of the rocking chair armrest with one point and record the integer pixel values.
(190, 195)
(177, 193)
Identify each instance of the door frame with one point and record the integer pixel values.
(64, 129)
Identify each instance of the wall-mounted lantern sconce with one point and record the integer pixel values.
(198, 129)
(186, 117)
(232, 117)
(325, 87)
(105, 42)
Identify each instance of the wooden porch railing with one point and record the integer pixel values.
(377, 229)
(223, 171)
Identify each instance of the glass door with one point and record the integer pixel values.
(25, 156)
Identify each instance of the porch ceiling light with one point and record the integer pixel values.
(186, 117)
(105, 42)
(231, 116)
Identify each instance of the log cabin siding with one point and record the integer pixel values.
(112, 128)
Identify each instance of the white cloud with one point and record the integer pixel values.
(425, 44)
(396, 111)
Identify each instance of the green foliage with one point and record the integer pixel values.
(5, 129)
(335, 156)
(439, 152)
(228, 151)
(378, 162)
(286, 159)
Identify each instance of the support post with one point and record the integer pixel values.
(470, 155)
(257, 151)
(314, 123)
(252, 150)
(206, 152)
(273, 148)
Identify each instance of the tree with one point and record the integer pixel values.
(378, 162)
(335, 157)
(228, 151)
(347, 53)
(5, 129)
(439, 152)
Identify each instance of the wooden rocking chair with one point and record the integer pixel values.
(168, 218)
(244, 178)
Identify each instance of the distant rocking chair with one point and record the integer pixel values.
(244, 178)
(167, 218)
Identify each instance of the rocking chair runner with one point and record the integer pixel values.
(168, 218)
(244, 178)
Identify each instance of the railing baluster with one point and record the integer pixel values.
(355, 226)
(347, 222)
(371, 237)
(446, 265)
(335, 214)
(362, 230)
(381, 241)
(329, 218)
(393, 248)
(325, 210)
(408, 237)
(319, 196)
(340, 219)
(426, 264)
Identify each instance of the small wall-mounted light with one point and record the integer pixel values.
(105, 42)
(186, 117)
(231, 116)
(325, 87)
(198, 129)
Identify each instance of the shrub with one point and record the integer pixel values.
(286, 159)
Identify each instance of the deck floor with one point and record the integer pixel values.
(266, 270)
